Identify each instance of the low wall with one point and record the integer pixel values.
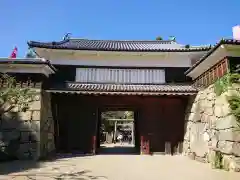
(211, 129)
(28, 135)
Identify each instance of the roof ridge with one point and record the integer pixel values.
(112, 40)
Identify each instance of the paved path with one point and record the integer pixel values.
(116, 167)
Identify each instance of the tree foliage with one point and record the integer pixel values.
(222, 84)
(159, 38)
(109, 125)
(234, 102)
(12, 96)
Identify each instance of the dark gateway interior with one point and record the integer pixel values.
(157, 119)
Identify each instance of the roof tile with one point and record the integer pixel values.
(116, 45)
(131, 89)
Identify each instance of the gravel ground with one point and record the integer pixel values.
(115, 167)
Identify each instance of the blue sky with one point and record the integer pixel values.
(193, 22)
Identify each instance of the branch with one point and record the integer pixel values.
(7, 110)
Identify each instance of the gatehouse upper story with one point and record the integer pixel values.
(129, 53)
(118, 61)
(136, 64)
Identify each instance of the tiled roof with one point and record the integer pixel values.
(133, 89)
(117, 45)
(221, 42)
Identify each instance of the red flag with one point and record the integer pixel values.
(14, 53)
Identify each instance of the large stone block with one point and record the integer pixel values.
(209, 111)
(221, 100)
(226, 122)
(25, 126)
(229, 135)
(231, 148)
(30, 136)
(35, 126)
(36, 115)
(195, 107)
(34, 136)
(24, 116)
(211, 96)
(207, 103)
(235, 164)
(231, 163)
(222, 110)
(10, 135)
(25, 137)
(213, 144)
(194, 117)
(187, 136)
(198, 141)
(205, 118)
(35, 105)
(212, 121)
(200, 96)
(28, 151)
(8, 123)
(9, 116)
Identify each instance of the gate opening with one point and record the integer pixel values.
(117, 132)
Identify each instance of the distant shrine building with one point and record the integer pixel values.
(78, 79)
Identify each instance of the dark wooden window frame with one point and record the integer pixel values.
(213, 73)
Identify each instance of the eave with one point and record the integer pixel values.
(223, 49)
(26, 65)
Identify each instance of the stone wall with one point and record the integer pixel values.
(210, 129)
(27, 135)
(47, 144)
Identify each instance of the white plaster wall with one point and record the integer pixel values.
(124, 59)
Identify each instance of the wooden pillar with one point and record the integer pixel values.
(115, 131)
(133, 137)
(94, 144)
(145, 148)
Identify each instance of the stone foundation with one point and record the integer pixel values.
(210, 128)
(28, 135)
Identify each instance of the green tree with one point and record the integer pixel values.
(12, 96)
(159, 38)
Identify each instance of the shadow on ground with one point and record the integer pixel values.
(79, 175)
(117, 150)
(17, 166)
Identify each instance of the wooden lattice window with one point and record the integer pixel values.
(224, 66)
(215, 74)
(211, 76)
(220, 70)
